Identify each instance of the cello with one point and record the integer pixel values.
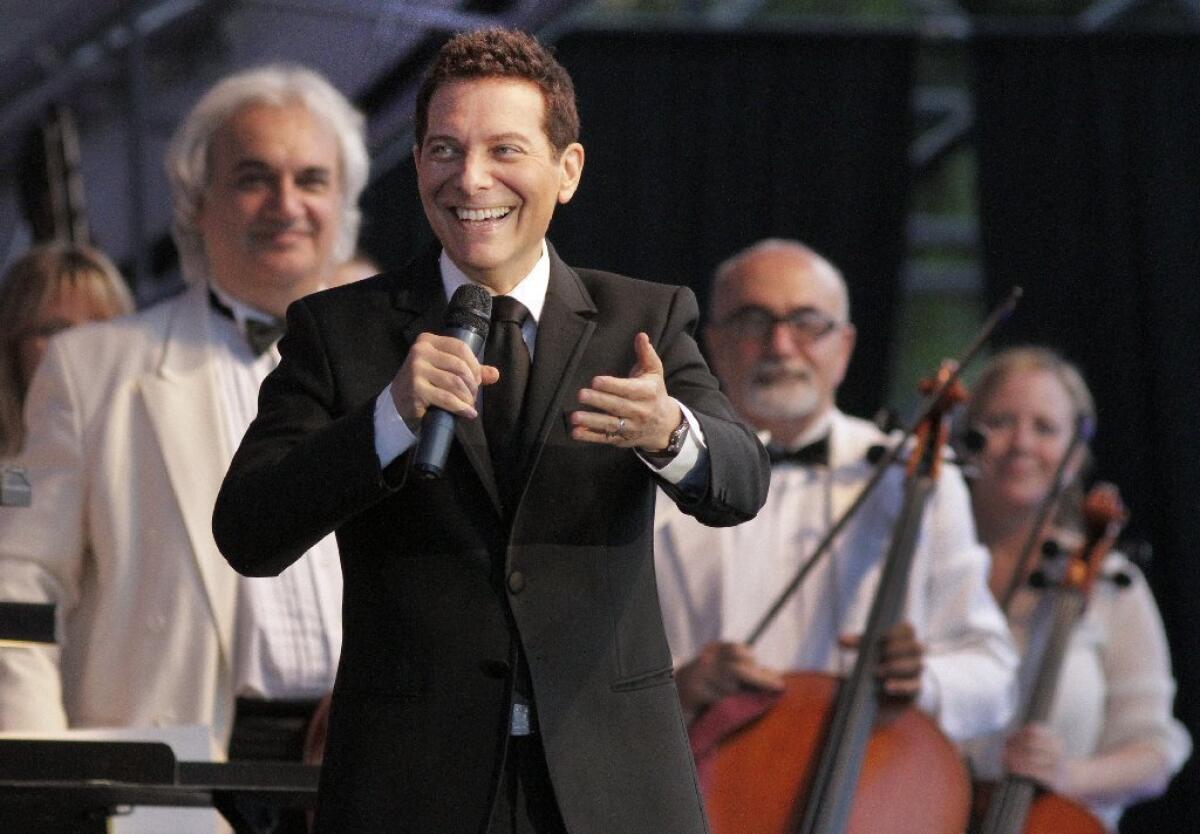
(861, 767)
(1016, 805)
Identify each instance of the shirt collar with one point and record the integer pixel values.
(241, 310)
(530, 290)
(820, 428)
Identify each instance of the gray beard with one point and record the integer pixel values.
(793, 400)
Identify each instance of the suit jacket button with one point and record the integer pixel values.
(495, 668)
(516, 582)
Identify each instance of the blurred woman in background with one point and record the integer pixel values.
(1110, 739)
(52, 287)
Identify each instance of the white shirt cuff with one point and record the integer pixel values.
(689, 457)
(392, 435)
(929, 699)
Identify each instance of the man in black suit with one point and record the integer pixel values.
(503, 667)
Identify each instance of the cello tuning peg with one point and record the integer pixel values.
(1139, 551)
(974, 440)
(1121, 579)
(887, 420)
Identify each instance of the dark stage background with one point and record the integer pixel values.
(1089, 185)
(1089, 160)
(701, 143)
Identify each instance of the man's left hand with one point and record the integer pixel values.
(629, 412)
(900, 662)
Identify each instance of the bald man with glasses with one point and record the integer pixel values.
(780, 339)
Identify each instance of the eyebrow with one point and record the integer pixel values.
(803, 308)
(252, 164)
(498, 137)
(512, 134)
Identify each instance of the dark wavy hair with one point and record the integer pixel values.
(504, 53)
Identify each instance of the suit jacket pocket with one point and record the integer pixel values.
(644, 680)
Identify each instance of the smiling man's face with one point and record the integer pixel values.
(490, 179)
(270, 214)
(782, 379)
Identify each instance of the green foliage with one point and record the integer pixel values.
(852, 9)
(1025, 7)
(932, 327)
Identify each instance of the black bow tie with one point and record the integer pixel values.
(813, 454)
(260, 335)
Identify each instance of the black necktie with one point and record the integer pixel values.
(812, 454)
(260, 335)
(502, 401)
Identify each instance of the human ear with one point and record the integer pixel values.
(570, 167)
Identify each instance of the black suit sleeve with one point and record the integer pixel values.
(739, 470)
(303, 467)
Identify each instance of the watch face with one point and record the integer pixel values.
(677, 438)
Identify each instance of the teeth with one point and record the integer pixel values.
(482, 214)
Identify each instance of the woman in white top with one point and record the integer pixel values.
(1111, 739)
(50, 288)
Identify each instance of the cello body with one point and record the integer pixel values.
(825, 756)
(913, 780)
(1048, 814)
(1053, 814)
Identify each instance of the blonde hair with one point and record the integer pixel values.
(28, 285)
(1033, 358)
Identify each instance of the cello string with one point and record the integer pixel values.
(1082, 432)
(931, 401)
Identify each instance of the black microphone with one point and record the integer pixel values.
(468, 317)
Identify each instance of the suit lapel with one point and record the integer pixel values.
(181, 400)
(422, 299)
(563, 333)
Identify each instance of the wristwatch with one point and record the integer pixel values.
(675, 441)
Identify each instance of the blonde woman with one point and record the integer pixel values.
(52, 287)
(1110, 739)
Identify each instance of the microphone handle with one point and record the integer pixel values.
(437, 426)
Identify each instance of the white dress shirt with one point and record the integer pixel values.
(1115, 686)
(716, 583)
(393, 437)
(289, 628)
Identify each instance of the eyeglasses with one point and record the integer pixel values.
(803, 324)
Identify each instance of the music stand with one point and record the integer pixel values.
(73, 787)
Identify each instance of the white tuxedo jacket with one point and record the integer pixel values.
(125, 454)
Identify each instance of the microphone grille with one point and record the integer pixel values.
(470, 308)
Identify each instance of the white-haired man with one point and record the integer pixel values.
(132, 425)
(780, 339)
